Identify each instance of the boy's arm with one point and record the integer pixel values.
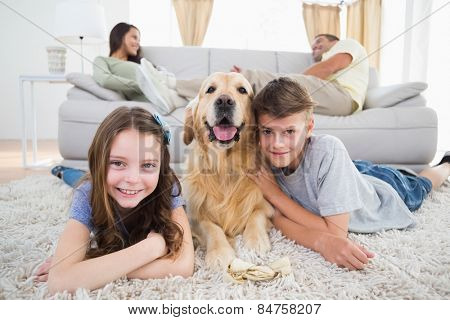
(333, 248)
(336, 224)
(70, 271)
(183, 265)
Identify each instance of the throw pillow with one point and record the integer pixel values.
(387, 96)
(86, 82)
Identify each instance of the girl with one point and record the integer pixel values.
(131, 203)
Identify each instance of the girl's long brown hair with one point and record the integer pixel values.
(154, 211)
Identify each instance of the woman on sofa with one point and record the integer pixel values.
(125, 71)
(118, 71)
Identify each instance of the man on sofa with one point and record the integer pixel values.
(337, 81)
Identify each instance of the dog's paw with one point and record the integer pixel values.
(220, 258)
(258, 241)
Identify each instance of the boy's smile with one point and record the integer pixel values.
(282, 139)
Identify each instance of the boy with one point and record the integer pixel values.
(317, 192)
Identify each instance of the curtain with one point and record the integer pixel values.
(193, 18)
(321, 19)
(364, 25)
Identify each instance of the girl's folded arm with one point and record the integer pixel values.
(182, 265)
(70, 270)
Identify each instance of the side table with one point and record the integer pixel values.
(49, 78)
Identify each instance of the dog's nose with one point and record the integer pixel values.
(225, 101)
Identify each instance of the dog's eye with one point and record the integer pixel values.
(242, 90)
(210, 90)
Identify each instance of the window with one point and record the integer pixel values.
(157, 21)
(238, 24)
(257, 24)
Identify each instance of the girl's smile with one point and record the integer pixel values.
(128, 193)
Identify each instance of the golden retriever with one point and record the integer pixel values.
(222, 201)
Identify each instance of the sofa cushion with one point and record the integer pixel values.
(385, 135)
(78, 123)
(86, 82)
(186, 62)
(387, 96)
(224, 59)
(293, 62)
(416, 101)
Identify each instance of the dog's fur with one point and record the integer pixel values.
(222, 200)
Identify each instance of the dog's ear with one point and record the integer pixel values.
(189, 121)
(252, 95)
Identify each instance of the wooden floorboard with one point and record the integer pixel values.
(11, 159)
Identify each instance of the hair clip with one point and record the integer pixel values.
(164, 126)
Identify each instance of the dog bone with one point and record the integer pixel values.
(239, 270)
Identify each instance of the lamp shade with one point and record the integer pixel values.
(80, 18)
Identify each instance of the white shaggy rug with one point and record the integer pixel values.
(413, 264)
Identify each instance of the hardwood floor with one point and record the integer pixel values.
(11, 159)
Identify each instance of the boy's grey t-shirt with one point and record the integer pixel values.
(327, 183)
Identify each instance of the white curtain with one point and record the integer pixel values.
(321, 19)
(404, 56)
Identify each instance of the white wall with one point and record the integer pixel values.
(23, 51)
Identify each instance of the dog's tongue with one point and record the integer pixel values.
(224, 133)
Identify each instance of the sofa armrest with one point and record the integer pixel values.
(388, 96)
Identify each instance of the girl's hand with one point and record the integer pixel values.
(266, 182)
(160, 243)
(344, 252)
(42, 272)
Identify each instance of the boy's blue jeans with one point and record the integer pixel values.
(412, 189)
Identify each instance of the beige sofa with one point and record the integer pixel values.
(395, 127)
